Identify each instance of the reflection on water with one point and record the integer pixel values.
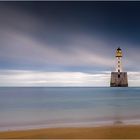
(54, 107)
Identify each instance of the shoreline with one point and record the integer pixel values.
(32, 126)
(100, 132)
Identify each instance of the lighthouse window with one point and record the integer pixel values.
(118, 75)
(118, 61)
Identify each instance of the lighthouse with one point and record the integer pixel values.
(119, 78)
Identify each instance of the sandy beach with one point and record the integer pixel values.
(116, 132)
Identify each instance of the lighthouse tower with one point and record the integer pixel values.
(119, 60)
(119, 78)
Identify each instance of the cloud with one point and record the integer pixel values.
(24, 48)
(52, 79)
(29, 41)
(20, 78)
(134, 79)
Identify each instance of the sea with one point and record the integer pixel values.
(51, 107)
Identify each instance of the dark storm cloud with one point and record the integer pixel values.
(68, 35)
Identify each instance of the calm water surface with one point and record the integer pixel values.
(22, 108)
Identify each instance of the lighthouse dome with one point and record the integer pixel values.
(119, 52)
(119, 49)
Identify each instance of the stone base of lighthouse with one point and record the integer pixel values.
(119, 79)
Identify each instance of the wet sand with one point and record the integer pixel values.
(116, 132)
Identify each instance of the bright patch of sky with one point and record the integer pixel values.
(20, 78)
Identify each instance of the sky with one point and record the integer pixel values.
(68, 43)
